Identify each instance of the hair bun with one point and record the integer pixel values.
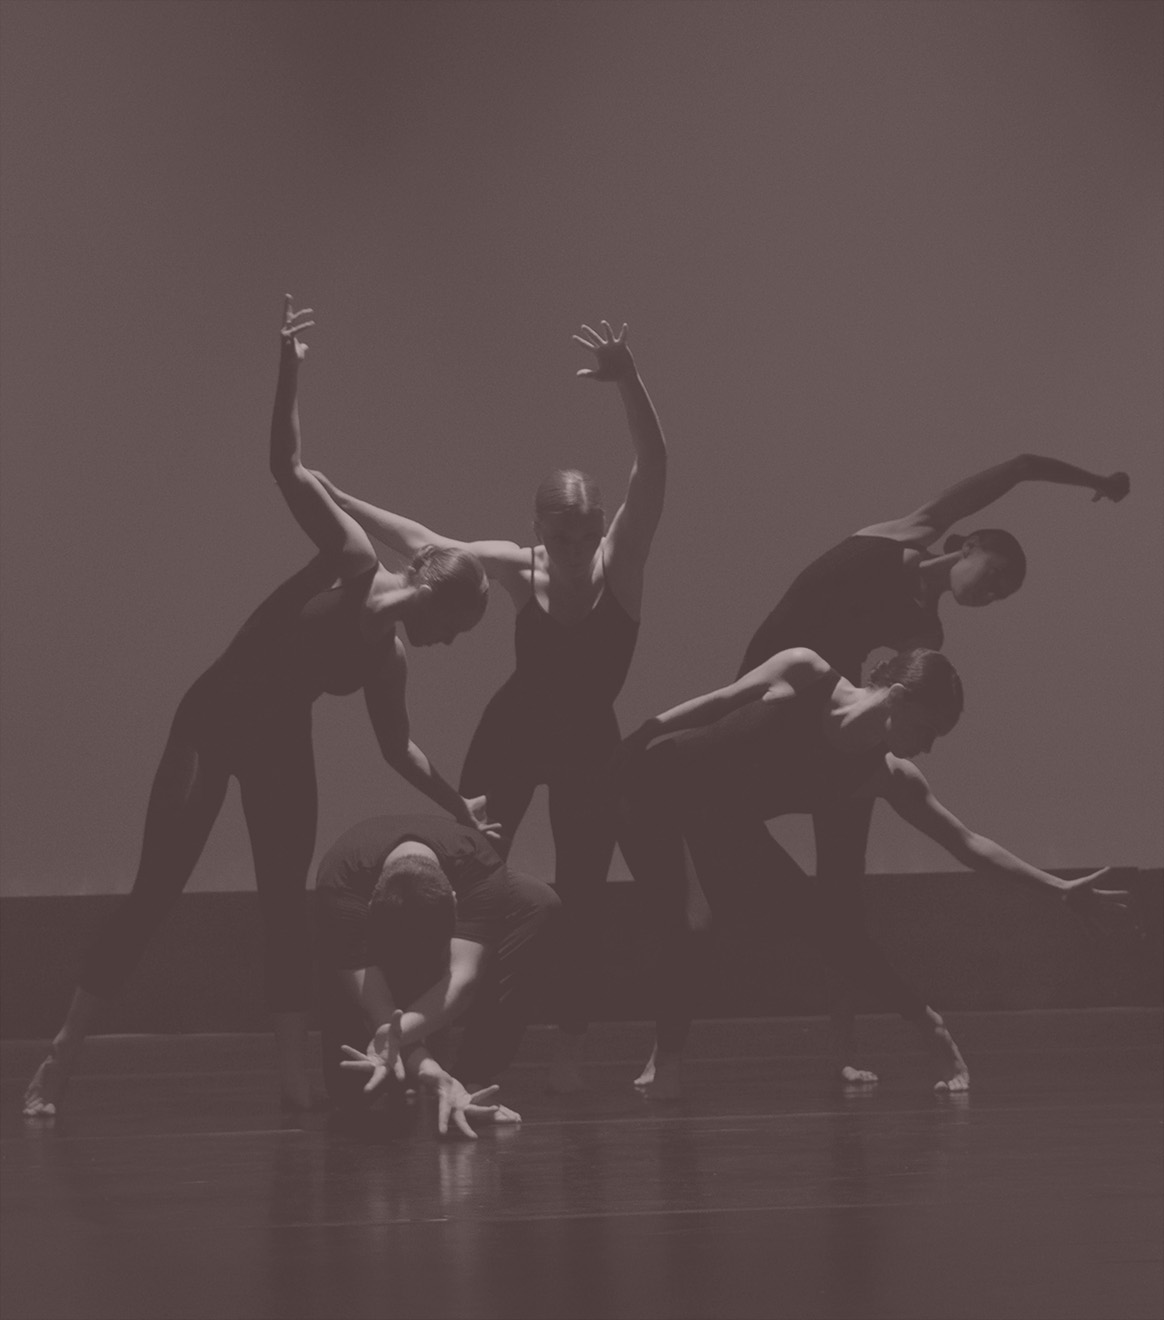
(955, 541)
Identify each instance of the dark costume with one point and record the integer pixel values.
(552, 722)
(506, 912)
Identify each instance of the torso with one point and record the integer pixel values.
(573, 652)
(765, 758)
(313, 634)
(860, 595)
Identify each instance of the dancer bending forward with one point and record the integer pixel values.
(420, 925)
(578, 593)
(795, 736)
(329, 628)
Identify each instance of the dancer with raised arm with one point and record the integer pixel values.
(793, 735)
(881, 588)
(578, 594)
(329, 628)
(421, 925)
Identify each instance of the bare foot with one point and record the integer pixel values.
(858, 1076)
(565, 1076)
(954, 1075)
(46, 1089)
(660, 1078)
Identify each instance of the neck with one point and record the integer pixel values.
(934, 575)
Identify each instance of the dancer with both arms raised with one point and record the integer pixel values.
(329, 628)
(578, 594)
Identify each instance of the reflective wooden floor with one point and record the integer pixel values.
(173, 1188)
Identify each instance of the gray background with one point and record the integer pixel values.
(864, 250)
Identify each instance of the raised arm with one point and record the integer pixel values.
(633, 526)
(388, 712)
(975, 493)
(907, 792)
(778, 679)
(334, 532)
(501, 560)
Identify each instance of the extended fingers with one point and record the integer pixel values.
(484, 1094)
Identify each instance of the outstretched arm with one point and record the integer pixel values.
(334, 532)
(388, 712)
(938, 515)
(907, 792)
(633, 527)
(777, 679)
(501, 560)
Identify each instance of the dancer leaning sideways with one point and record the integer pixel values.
(791, 736)
(578, 593)
(332, 627)
(421, 925)
(882, 587)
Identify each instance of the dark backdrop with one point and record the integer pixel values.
(864, 249)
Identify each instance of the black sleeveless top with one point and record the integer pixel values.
(576, 664)
(765, 758)
(305, 639)
(856, 597)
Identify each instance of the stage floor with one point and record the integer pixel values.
(173, 1188)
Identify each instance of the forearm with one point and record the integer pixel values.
(989, 858)
(400, 534)
(643, 423)
(436, 1008)
(1037, 468)
(285, 439)
(414, 766)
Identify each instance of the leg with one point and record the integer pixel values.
(501, 763)
(584, 823)
(680, 918)
(849, 951)
(277, 780)
(187, 794)
(497, 1019)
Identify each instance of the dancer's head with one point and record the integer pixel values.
(923, 699)
(569, 519)
(991, 566)
(452, 592)
(410, 923)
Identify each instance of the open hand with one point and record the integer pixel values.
(294, 325)
(479, 817)
(382, 1055)
(1093, 905)
(1113, 488)
(613, 354)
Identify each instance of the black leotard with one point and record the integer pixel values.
(552, 722)
(249, 715)
(700, 798)
(857, 596)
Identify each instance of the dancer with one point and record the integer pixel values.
(882, 587)
(578, 594)
(793, 735)
(329, 628)
(421, 924)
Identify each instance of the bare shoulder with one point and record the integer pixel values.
(910, 530)
(903, 778)
(797, 668)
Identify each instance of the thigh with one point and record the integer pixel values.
(185, 798)
(503, 764)
(276, 775)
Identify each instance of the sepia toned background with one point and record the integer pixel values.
(864, 249)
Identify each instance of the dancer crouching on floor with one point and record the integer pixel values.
(578, 595)
(421, 924)
(329, 628)
(794, 736)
